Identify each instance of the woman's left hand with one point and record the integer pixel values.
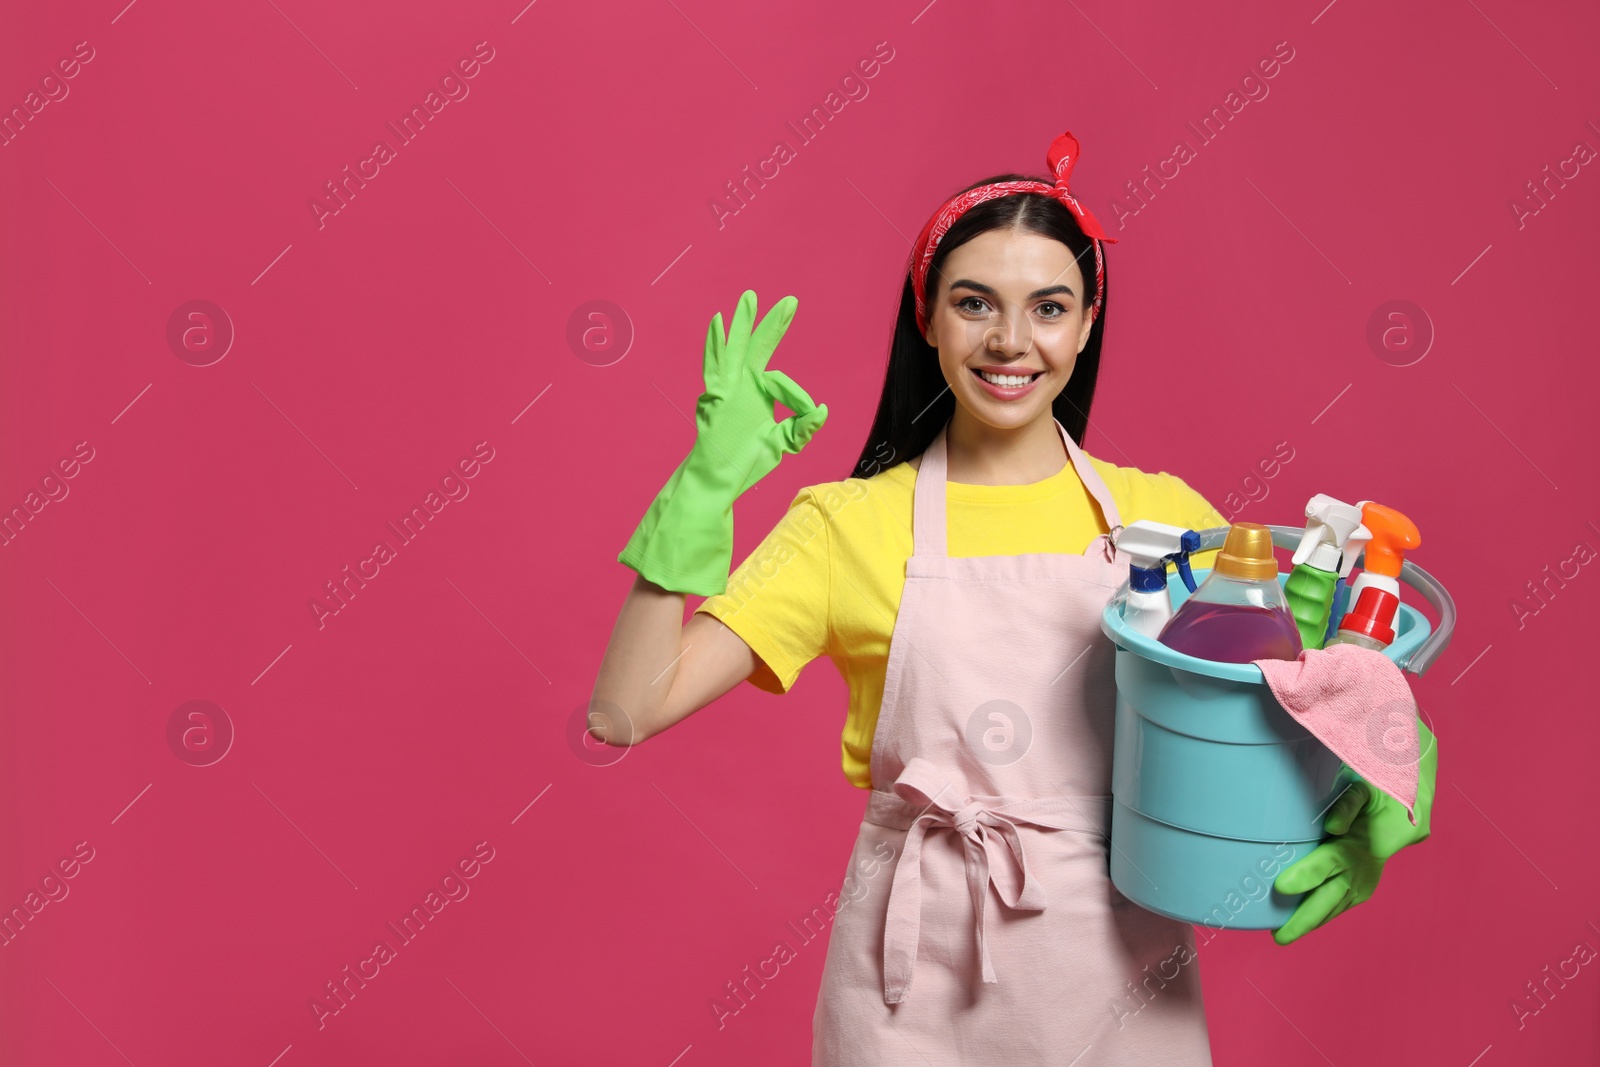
(1369, 827)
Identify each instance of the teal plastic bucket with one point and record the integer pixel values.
(1216, 788)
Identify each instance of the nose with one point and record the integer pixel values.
(1009, 334)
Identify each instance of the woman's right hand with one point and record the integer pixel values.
(685, 541)
(734, 416)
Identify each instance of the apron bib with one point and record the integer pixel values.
(982, 925)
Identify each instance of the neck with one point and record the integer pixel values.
(980, 454)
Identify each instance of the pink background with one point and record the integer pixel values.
(373, 353)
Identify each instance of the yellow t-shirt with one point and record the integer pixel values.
(827, 580)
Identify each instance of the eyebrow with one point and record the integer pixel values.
(989, 290)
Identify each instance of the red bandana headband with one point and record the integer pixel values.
(1062, 155)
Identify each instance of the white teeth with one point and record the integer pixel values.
(1006, 380)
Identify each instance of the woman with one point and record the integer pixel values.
(956, 581)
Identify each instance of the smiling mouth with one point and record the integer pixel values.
(1007, 381)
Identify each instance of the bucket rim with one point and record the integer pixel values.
(1126, 639)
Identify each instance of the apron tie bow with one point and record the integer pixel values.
(966, 820)
(994, 855)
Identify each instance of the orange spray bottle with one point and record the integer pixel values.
(1393, 535)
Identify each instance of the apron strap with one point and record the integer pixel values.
(928, 504)
(929, 527)
(1109, 516)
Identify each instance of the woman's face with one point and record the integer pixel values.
(1012, 303)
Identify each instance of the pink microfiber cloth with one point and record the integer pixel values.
(1358, 703)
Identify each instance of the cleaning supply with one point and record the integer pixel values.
(1357, 703)
(1151, 545)
(1239, 613)
(684, 543)
(1323, 557)
(1393, 535)
(1370, 623)
(1212, 776)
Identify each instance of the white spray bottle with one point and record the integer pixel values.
(1331, 525)
(1150, 545)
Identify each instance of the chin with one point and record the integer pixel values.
(1003, 416)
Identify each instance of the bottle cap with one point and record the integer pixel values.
(1322, 557)
(1148, 579)
(1247, 552)
(1373, 615)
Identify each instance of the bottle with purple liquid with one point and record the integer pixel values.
(1239, 613)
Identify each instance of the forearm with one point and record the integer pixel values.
(636, 673)
(657, 671)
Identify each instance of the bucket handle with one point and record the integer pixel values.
(1421, 657)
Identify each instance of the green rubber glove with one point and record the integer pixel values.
(685, 541)
(1369, 826)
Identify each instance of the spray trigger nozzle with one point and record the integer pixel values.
(1190, 543)
(1150, 546)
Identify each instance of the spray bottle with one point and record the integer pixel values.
(1393, 535)
(1150, 545)
(1325, 555)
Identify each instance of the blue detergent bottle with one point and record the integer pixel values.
(1239, 613)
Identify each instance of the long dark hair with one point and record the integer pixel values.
(916, 403)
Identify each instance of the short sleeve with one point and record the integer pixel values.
(777, 599)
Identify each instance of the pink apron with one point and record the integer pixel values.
(979, 924)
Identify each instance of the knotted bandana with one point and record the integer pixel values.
(1061, 157)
